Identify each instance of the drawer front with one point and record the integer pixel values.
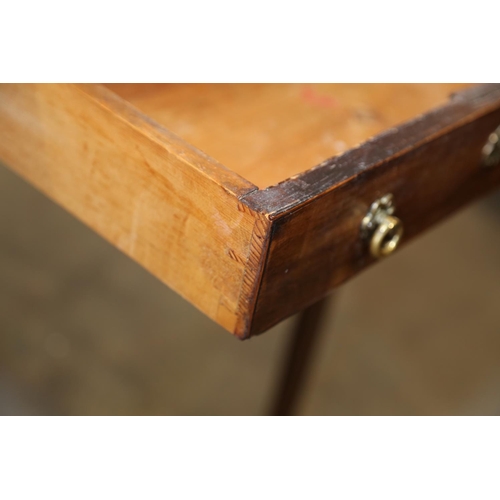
(431, 166)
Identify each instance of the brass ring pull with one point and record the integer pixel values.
(381, 228)
(491, 150)
(386, 237)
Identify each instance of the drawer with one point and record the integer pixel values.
(250, 201)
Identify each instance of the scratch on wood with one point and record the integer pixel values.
(235, 256)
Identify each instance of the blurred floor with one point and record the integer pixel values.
(84, 330)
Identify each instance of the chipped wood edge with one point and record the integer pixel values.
(283, 198)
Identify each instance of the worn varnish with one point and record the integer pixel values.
(432, 166)
(249, 257)
(270, 132)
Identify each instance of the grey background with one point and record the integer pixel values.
(85, 330)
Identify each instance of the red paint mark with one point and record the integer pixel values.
(310, 95)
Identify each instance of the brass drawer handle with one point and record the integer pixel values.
(382, 229)
(491, 150)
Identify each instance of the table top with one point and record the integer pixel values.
(270, 132)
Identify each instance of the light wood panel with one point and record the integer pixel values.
(270, 132)
(167, 206)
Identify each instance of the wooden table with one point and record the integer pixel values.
(254, 209)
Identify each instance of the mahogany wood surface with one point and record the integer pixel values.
(298, 358)
(431, 165)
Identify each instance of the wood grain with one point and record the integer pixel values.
(270, 132)
(249, 257)
(431, 165)
(159, 200)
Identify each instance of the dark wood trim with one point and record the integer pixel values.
(464, 107)
(298, 358)
(432, 166)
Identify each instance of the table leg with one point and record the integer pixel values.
(298, 358)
